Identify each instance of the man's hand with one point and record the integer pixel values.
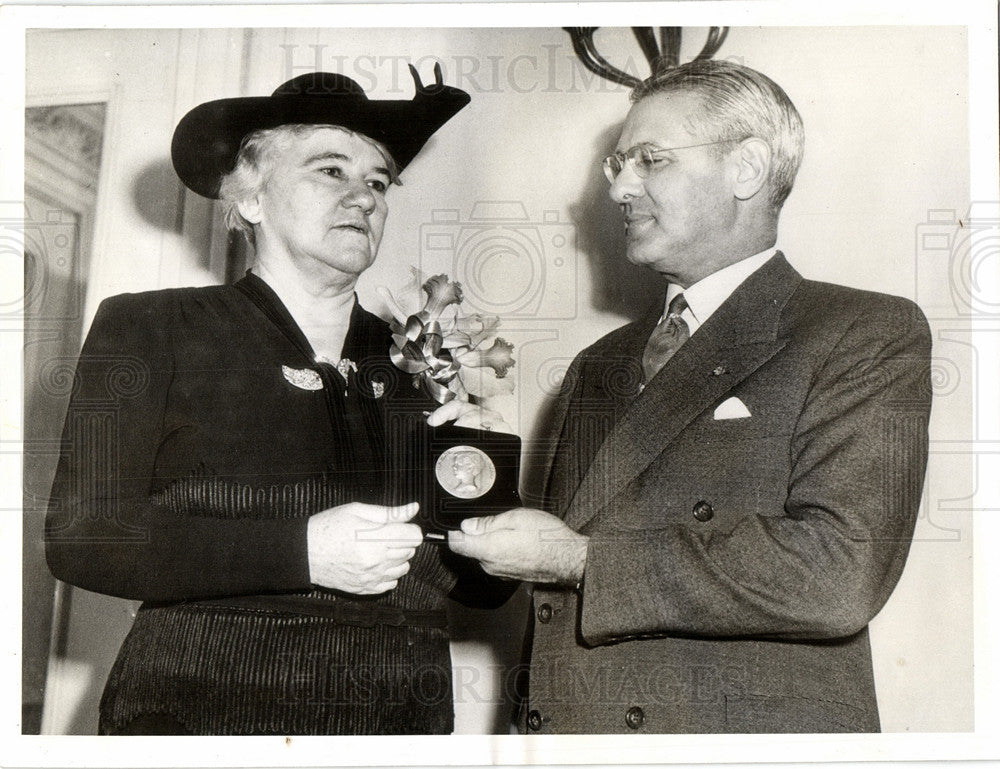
(465, 414)
(362, 549)
(525, 544)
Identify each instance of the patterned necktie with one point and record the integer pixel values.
(669, 334)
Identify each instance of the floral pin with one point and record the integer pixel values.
(445, 351)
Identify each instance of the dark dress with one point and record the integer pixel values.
(190, 465)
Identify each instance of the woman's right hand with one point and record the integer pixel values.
(360, 548)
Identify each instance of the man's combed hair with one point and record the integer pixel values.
(738, 103)
(255, 162)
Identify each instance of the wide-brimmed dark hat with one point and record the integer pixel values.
(208, 138)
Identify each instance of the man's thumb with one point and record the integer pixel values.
(476, 525)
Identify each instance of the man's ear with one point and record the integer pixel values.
(753, 159)
(250, 209)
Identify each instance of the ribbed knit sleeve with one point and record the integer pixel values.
(104, 531)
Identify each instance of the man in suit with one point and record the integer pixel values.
(735, 477)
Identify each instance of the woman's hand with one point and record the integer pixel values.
(465, 414)
(362, 549)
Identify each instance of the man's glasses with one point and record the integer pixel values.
(642, 158)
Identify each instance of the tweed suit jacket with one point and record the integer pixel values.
(734, 563)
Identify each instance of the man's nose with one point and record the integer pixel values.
(361, 195)
(626, 186)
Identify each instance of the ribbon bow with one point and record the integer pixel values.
(422, 354)
(438, 353)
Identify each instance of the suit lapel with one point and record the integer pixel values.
(597, 390)
(739, 337)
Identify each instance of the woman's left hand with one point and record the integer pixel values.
(465, 414)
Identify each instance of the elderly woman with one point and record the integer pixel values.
(229, 452)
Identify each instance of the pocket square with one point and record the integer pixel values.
(731, 408)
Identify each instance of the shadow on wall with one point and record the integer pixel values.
(619, 286)
(154, 185)
(163, 202)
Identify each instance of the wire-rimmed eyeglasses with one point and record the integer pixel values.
(643, 159)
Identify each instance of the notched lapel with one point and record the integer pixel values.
(742, 335)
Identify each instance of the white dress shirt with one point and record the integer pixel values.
(708, 294)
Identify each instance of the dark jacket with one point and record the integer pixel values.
(190, 466)
(734, 564)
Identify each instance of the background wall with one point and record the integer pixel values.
(509, 198)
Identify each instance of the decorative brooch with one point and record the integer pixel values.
(344, 366)
(308, 379)
(303, 378)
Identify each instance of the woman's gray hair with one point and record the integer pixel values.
(255, 163)
(738, 103)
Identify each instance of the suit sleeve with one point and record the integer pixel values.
(103, 532)
(825, 564)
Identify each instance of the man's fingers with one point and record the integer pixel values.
(463, 544)
(465, 414)
(486, 419)
(446, 413)
(482, 549)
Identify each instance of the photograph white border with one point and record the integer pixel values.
(18, 750)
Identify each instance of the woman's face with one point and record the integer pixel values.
(323, 205)
(466, 467)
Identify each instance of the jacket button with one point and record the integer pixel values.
(534, 720)
(634, 717)
(703, 511)
(544, 613)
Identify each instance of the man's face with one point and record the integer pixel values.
(323, 206)
(678, 220)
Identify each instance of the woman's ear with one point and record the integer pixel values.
(754, 167)
(250, 209)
